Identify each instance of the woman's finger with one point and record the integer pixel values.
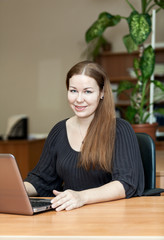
(65, 206)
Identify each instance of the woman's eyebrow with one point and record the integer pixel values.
(84, 88)
(72, 87)
(87, 88)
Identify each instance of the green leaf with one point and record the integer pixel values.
(139, 26)
(147, 62)
(129, 44)
(160, 3)
(130, 114)
(145, 117)
(136, 66)
(123, 86)
(98, 45)
(104, 20)
(158, 84)
(94, 47)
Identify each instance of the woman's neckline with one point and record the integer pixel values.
(68, 139)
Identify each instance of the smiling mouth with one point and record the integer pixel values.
(80, 108)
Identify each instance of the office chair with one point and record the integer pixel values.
(147, 150)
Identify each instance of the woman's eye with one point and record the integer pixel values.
(88, 92)
(73, 91)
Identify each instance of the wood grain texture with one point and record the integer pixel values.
(140, 216)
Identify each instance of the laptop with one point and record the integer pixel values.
(13, 195)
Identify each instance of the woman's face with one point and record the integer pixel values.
(83, 95)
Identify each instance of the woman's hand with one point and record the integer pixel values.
(70, 199)
(67, 200)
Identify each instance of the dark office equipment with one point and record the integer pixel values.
(17, 127)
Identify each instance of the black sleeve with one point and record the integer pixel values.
(44, 177)
(127, 163)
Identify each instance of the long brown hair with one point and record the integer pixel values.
(98, 144)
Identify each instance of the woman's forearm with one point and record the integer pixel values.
(70, 199)
(108, 192)
(31, 191)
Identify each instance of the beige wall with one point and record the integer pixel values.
(39, 41)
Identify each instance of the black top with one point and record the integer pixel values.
(57, 168)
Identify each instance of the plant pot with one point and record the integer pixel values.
(148, 128)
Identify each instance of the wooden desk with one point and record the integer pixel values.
(26, 152)
(141, 216)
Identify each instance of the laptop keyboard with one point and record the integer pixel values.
(40, 202)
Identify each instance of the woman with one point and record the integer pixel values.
(92, 156)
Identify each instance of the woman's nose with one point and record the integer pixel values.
(80, 97)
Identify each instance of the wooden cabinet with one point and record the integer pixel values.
(26, 152)
(160, 169)
(117, 64)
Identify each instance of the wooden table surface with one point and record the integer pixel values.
(140, 216)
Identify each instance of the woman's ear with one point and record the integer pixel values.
(102, 94)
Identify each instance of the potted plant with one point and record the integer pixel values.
(140, 27)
